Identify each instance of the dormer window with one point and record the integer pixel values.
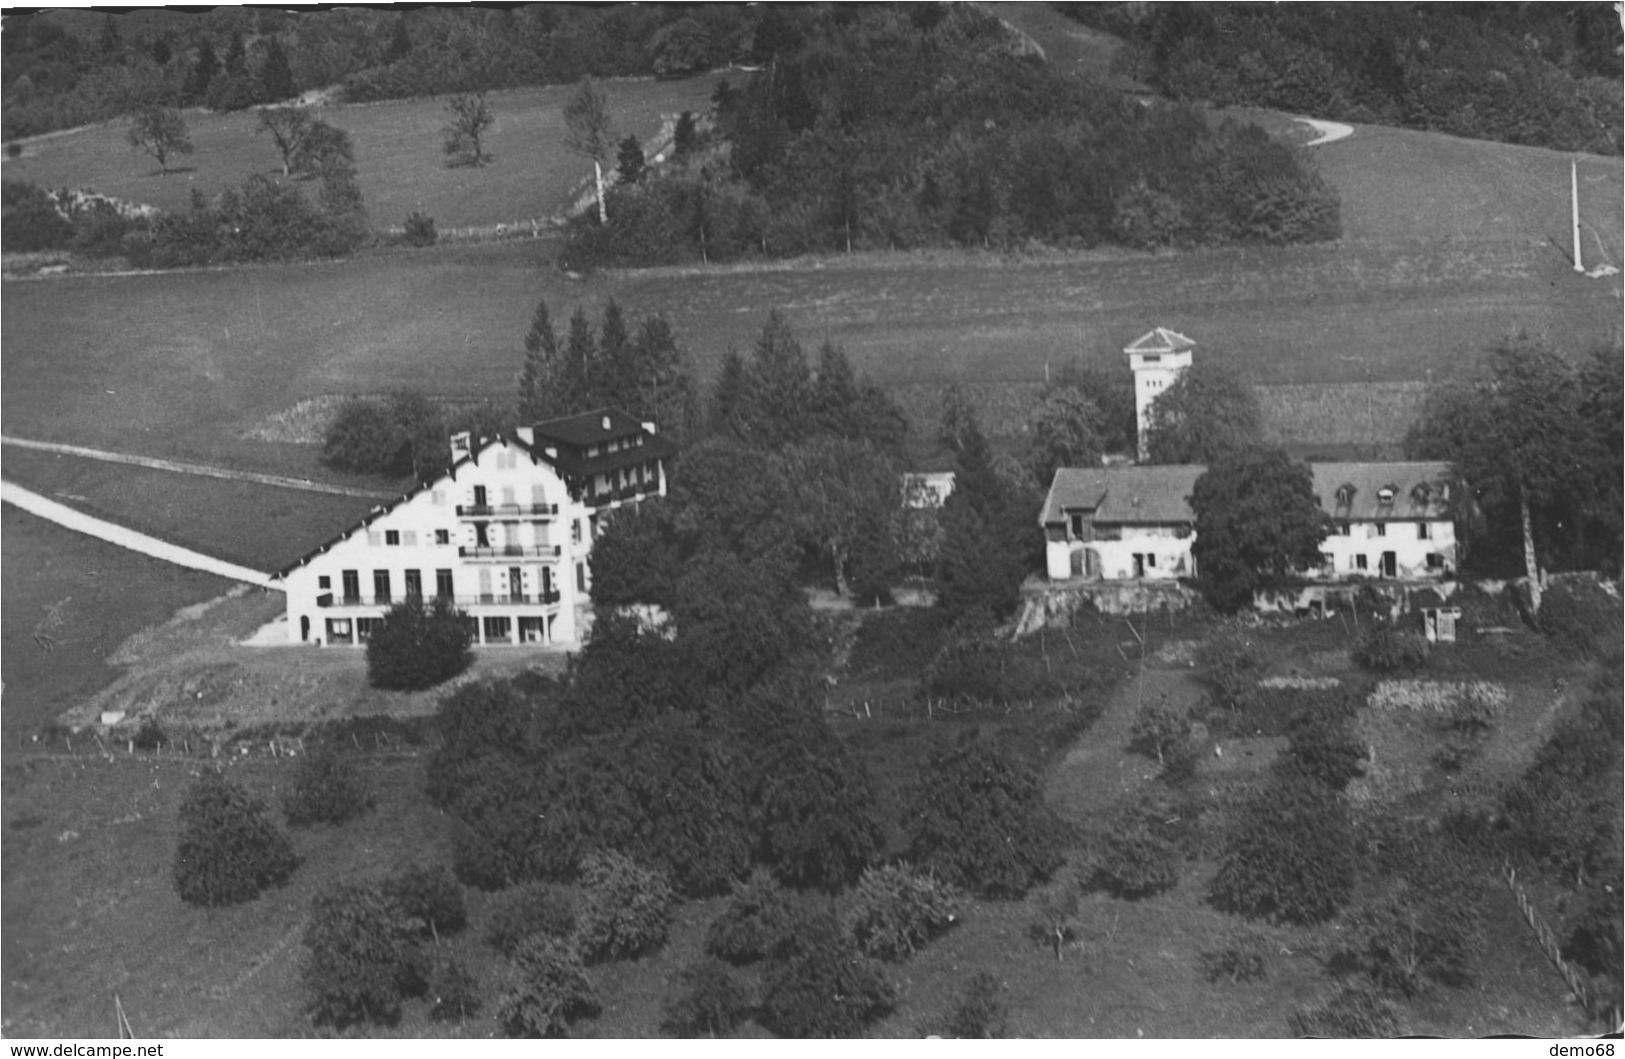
(1421, 493)
(1385, 495)
(1345, 495)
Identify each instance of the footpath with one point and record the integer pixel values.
(79, 522)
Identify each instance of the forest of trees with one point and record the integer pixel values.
(877, 128)
(1547, 75)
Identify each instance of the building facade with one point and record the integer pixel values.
(1157, 359)
(1390, 521)
(506, 535)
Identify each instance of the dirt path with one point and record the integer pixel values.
(1097, 773)
(256, 477)
(79, 522)
(1330, 131)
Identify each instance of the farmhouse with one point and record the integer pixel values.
(1389, 521)
(505, 534)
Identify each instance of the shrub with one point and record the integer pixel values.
(1352, 1011)
(361, 958)
(327, 789)
(1156, 728)
(1385, 649)
(1055, 916)
(1581, 619)
(417, 647)
(709, 1002)
(978, 1014)
(826, 988)
(365, 437)
(547, 989)
(530, 911)
(1133, 860)
(1324, 749)
(895, 911)
(1290, 856)
(430, 897)
(627, 909)
(454, 993)
(817, 816)
(1411, 935)
(759, 921)
(229, 850)
(1233, 963)
(978, 821)
(151, 735)
(1594, 940)
(420, 230)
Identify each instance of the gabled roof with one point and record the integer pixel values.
(1124, 495)
(1159, 340)
(1368, 480)
(588, 428)
(1153, 495)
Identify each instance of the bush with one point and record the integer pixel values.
(1155, 729)
(454, 993)
(547, 989)
(431, 898)
(627, 909)
(363, 437)
(151, 735)
(1411, 936)
(978, 1014)
(1324, 749)
(327, 789)
(1352, 1011)
(817, 816)
(361, 958)
(1594, 939)
(416, 647)
(978, 821)
(761, 920)
(1581, 619)
(894, 911)
(709, 1002)
(420, 230)
(530, 911)
(1134, 861)
(1385, 649)
(1290, 856)
(229, 850)
(826, 988)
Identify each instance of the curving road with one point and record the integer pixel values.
(1330, 131)
(78, 521)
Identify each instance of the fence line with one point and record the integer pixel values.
(1554, 951)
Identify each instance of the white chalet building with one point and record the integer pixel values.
(1390, 521)
(505, 534)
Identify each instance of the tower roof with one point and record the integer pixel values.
(1159, 340)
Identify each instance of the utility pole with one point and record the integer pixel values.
(1574, 210)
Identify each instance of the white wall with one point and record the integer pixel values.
(1402, 538)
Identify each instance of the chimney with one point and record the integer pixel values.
(649, 426)
(606, 422)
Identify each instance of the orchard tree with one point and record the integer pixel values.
(1257, 521)
(589, 132)
(471, 115)
(1518, 436)
(324, 151)
(1204, 415)
(161, 132)
(288, 127)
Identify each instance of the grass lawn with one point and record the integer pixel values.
(399, 161)
(99, 595)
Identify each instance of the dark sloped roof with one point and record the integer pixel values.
(588, 428)
(1369, 479)
(573, 465)
(1160, 495)
(1148, 495)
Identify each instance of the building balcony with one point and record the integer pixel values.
(625, 492)
(483, 599)
(504, 552)
(507, 510)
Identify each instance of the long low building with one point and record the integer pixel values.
(505, 535)
(1389, 520)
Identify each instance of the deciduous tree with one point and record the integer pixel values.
(588, 132)
(471, 115)
(1257, 522)
(844, 494)
(161, 132)
(1205, 414)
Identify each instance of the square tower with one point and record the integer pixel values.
(1157, 358)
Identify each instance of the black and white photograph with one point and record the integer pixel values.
(1086, 522)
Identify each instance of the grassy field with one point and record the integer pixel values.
(88, 597)
(399, 161)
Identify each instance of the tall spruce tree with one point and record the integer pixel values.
(539, 381)
(276, 77)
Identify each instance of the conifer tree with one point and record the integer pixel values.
(276, 78)
(539, 381)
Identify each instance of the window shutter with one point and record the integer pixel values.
(409, 538)
(374, 538)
